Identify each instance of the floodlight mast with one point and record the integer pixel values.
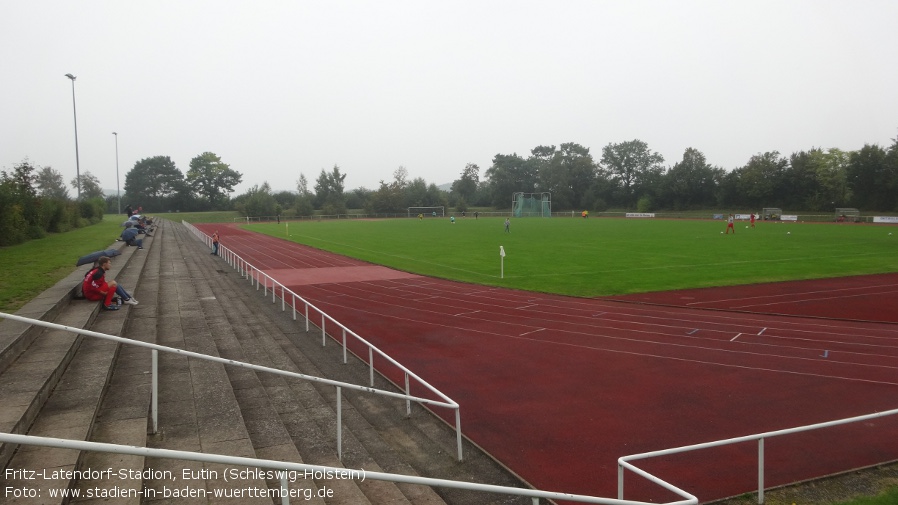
(77, 161)
(118, 193)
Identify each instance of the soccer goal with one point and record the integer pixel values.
(531, 205)
(427, 211)
(847, 215)
(771, 214)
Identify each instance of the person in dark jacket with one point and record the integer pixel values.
(129, 236)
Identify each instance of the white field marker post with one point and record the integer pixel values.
(502, 262)
(287, 227)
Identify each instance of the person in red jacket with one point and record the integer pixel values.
(96, 288)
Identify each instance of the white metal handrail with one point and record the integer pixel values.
(154, 406)
(286, 467)
(261, 280)
(624, 462)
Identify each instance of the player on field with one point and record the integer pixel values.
(730, 225)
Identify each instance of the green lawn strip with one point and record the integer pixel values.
(598, 257)
(30, 268)
(887, 497)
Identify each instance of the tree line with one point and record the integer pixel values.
(34, 202)
(629, 175)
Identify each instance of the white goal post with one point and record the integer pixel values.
(847, 214)
(427, 211)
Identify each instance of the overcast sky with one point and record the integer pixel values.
(279, 88)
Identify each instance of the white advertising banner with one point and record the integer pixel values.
(640, 214)
(784, 217)
(885, 219)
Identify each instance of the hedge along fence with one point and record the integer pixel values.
(23, 219)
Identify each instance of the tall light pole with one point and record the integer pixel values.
(77, 162)
(117, 192)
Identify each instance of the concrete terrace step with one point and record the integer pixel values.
(309, 414)
(53, 386)
(267, 433)
(122, 416)
(376, 431)
(198, 410)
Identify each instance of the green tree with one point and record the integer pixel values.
(211, 179)
(509, 174)
(390, 198)
(691, 183)
(817, 180)
(90, 186)
(358, 198)
(305, 200)
(890, 203)
(51, 184)
(762, 180)
(154, 182)
(582, 172)
(872, 174)
(258, 202)
(329, 191)
(436, 197)
(466, 185)
(415, 193)
(19, 205)
(633, 167)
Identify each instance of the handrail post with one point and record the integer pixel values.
(371, 365)
(344, 346)
(307, 317)
(339, 423)
(761, 470)
(620, 481)
(294, 306)
(408, 403)
(155, 395)
(458, 431)
(323, 332)
(285, 492)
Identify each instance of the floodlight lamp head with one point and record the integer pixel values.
(70, 76)
(115, 133)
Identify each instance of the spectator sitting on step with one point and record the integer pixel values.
(129, 236)
(96, 288)
(144, 224)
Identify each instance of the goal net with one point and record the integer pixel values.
(427, 211)
(771, 214)
(847, 215)
(531, 205)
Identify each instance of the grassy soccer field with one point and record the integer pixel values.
(598, 257)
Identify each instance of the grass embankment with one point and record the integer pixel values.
(30, 268)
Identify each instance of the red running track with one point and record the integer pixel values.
(859, 298)
(558, 388)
